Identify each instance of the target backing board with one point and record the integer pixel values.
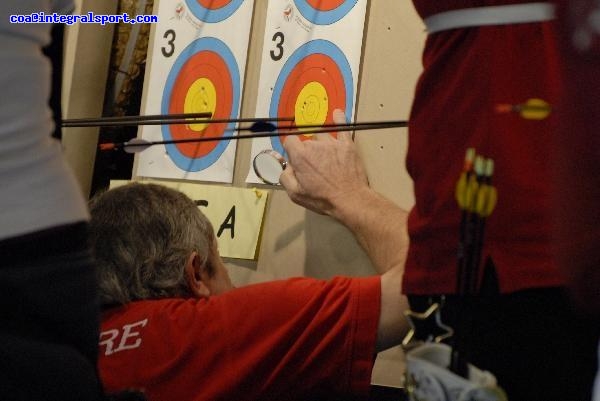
(310, 64)
(197, 60)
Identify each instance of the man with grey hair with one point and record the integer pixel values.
(151, 242)
(174, 326)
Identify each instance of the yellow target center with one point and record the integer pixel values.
(201, 97)
(312, 105)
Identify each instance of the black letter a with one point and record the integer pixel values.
(229, 223)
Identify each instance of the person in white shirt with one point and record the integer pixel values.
(48, 301)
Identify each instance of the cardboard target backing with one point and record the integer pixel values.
(197, 62)
(310, 65)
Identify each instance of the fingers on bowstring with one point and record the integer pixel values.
(288, 180)
(323, 137)
(339, 117)
(291, 145)
(344, 136)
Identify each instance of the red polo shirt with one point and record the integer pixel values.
(467, 72)
(284, 340)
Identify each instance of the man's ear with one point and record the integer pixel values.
(193, 275)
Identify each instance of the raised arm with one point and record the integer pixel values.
(326, 176)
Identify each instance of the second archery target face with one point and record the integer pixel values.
(314, 81)
(195, 64)
(309, 66)
(204, 78)
(324, 12)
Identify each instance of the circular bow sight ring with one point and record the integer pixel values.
(268, 166)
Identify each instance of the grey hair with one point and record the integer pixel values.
(142, 236)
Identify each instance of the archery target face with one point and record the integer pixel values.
(315, 80)
(324, 12)
(213, 10)
(204, 78)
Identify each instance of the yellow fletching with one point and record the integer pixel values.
(461, 191)
(492, 199)
(486, 200)
(535, 109)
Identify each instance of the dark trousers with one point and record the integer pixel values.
(49, 316)
(533, 341)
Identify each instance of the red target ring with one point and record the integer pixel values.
(213, 11)
(325, 5)
(208, 65)
(313, 68)
(324, 12)
(316, 70)
(213, 4)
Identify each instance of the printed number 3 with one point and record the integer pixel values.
(277, 54)
(170, 36)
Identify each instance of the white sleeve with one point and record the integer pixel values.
(38, 190)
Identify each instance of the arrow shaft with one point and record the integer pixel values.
(341, 127)
(168, 121)
(135, 118)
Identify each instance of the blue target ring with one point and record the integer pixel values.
(322, 17)
(318, 46)
(213, 15)
(202, 44)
